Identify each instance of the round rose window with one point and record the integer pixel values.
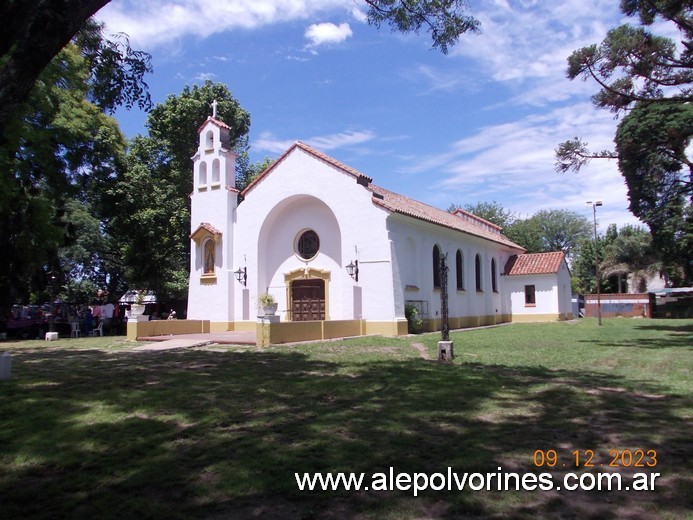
(308, 244)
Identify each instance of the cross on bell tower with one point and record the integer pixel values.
(214, 109)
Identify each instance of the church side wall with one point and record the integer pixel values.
(413, 243)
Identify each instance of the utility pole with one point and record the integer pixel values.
(596, 257)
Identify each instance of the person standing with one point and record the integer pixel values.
(88, 321)
(107, 313)
(96, 313)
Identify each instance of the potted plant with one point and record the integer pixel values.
(414, 321)
(268, 304)
(137, 308)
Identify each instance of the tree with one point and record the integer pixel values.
(649, 79)
(58, 147)
(543, 232)
(494, 212)
(149, 200)
(631, 253)
(651, 144)
(35, 32)
(444, 19)
(527, 233)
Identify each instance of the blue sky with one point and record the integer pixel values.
(478, 124)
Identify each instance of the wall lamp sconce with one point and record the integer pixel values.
(353, 270)
(242, 275)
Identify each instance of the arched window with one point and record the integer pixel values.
(208, 256)
(209, 140)
(494, 284)
(477, 268)
(459, 270)
(436, 267)
(202, 181)
(215, 171)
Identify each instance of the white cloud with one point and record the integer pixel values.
(161, 22)
(514, 163)
(268, 143)
(327, 33)
(204, 76)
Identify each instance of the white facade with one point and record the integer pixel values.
(270, 237)
(551, 290)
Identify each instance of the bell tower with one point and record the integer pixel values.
(214, 200)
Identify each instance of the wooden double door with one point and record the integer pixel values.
(308, 299)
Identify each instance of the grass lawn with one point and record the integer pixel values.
(91, 429)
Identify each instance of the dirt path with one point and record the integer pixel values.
(423, 351)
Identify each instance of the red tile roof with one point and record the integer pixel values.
(461, 220)
(476, 226)
(204, 226)
(534, 263)
(216, 122)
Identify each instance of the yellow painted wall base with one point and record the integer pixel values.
(466, 322)
(290, 331)
(141, 329)
(386, 328)
(532, 318)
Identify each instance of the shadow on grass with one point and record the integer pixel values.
(204, 434)
(673, 327)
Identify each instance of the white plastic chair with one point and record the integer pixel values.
(74, 333)
(98, 331)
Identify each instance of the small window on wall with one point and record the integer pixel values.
(307, 245)
(459, 270)
(494, 283)
(436, 267)
(530, 296)
(208, 252)
(477, 269)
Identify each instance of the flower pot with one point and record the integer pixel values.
(269, 309)
(137, 309)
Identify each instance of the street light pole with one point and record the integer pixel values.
(596, 256)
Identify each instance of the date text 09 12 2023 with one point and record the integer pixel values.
(587, 459)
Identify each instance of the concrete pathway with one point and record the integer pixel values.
(171, 344)
(224, 338)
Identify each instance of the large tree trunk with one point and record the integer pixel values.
(33, 32)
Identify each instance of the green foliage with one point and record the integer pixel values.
(246, 172)
(623, 252)
(58, 148)
(117, 71)
(527, 233)
(444, 19)
(632, 64)
(561, 229)
(148, 202)
(631, 252)
(651, 143)
(649, 77)
(543, 232)
(414, 321)
(494, 212)
(33, 34)
(173, 125)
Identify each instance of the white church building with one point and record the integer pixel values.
(342, 256)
